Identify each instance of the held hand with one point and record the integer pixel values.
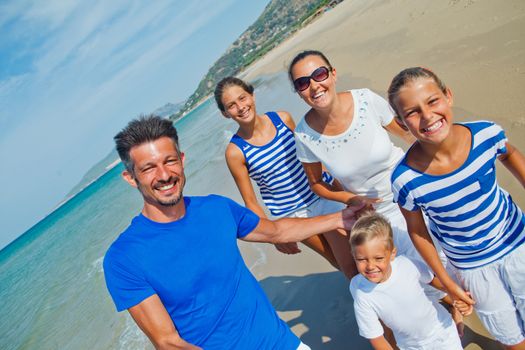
(460, 296)
(366, 202)
(464, 308)
(350, 214)
(288, 248)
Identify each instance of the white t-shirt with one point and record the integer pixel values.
(363, 157)
(401, 304)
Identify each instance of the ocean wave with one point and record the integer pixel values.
(95, 268)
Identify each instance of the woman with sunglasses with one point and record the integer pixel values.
(263, 149)
(347, 132)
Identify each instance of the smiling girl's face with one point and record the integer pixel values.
(425, 110)
(238, 103)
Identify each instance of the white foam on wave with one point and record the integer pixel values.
(96, 267)
(225, 137)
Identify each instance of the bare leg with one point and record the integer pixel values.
(338, 241)
(520, 346)
(319, 244)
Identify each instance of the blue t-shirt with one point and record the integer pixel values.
(195, 267)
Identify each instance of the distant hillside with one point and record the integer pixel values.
(168, 109)
(279, 20)
(95, 172)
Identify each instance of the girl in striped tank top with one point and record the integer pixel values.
(263, 149)
(449, 174)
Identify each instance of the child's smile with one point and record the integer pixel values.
(434, 127)
(425, 110)
(239, 104)
(373, 260)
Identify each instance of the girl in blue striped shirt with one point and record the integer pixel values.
(263, 149)
(449, 174)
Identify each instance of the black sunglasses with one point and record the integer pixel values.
(320, 74)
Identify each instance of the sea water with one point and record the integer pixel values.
(52, 287)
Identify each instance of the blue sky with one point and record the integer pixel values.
(72, 73)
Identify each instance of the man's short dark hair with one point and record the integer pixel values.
(146, 128)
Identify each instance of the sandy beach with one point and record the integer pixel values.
(475, 46)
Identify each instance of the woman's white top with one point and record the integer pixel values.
(361, 158)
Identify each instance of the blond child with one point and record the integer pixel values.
(390, 288)
(449, 174)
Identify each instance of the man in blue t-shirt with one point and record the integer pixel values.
(177, 268)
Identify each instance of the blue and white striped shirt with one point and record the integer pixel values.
(277, 171)
(475, 220)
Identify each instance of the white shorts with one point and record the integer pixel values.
(319, 207)
(303, 346)
(447, 338)
(499, 292)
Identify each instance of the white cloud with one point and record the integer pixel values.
(99, 47)
(164, 43)
(52, 12)
(78, 27)
(8, 87)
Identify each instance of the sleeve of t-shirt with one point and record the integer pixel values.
(304, 154)
(400, 190)
(382, 109)
(499, 138)
(124, 282)
(245, 219)
(367, 320)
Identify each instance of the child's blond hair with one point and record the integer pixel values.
(370, 226)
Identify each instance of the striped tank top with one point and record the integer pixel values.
(475, 221)
(277, 171)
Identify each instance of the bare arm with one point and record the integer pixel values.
(424, 245)
(436, 283)
(315, 177)
(380, 343)
(287, 119)
(514, 161)
(297, 229)
(335, 191)
(395, 129)
(237, 165)
(153, 319)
